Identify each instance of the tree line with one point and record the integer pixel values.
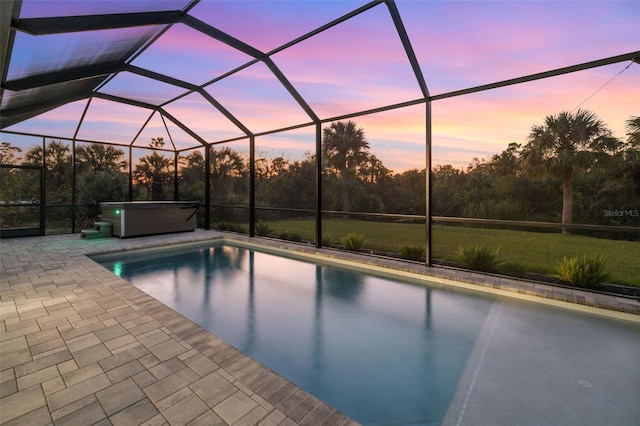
(569, 169)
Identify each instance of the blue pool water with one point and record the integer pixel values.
(379, 351)
(386, 352)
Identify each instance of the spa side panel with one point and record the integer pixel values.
(136, 219)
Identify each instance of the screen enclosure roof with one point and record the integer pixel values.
(204, 72)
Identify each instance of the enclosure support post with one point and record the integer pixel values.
(207, 187)
(318, 185)
(427, 175)
(43, 190)
(130, 173)
(74, 175)
(73, 186)
(415, 65)
(175, 177)
(252, 185)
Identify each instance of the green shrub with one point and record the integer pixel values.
(585, 271)
(412, 251)
(328, 240)
(291, 236)
(479, 258)
(353, 241)
(262, 228)
(229, 226)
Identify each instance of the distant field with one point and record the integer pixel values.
(531, 251)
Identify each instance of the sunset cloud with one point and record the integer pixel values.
(258, 99)
(190, 55)
(361, 64)
(203, 118)
(60, 122)
(267, 24)
(112, 122)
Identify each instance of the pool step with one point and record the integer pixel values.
(104, 228)
(100, 230)
(90, 234)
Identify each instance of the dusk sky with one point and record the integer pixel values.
(355, 66)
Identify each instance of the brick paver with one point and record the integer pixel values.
(79, 344)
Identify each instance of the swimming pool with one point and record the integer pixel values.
(381, 351)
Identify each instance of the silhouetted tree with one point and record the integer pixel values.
(58, 173)
(633, 131)
(227, 174)
(631, 153)
(99, 157)
(372, 170)
(100, 175)
(565, 142)
(192, 177)
(344, 149)
(408, 195)
(9, 153)
(153, 171)
(11, 183)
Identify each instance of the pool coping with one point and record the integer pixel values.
(79, 343)
(569, 298)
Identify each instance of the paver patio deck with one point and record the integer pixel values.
(79, 345)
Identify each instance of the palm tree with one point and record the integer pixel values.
(344, 149)
(193, 176)
(101, 175)
(631, 155)
(193, 170)
(226, 162)
(58, 171)
(154, 171)
(633, 131)
(99, 157)
(565, 142)
(227, 174)
(372, 169)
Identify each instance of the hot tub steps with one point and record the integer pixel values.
(100, 230)
(90, 234)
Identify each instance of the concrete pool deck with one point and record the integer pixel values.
(79, 345)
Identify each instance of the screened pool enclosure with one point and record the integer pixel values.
(307, 120)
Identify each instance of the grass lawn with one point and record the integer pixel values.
(519, 250)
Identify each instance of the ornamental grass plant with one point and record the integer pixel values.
(353, 241)
(412, 252)
(478, 257)
(582, 271)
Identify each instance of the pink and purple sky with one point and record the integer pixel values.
(354, 66)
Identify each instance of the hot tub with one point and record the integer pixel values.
(138, 218)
